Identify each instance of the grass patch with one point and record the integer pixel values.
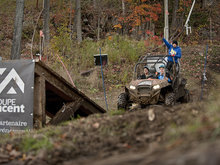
(116, 112)
(35, 144)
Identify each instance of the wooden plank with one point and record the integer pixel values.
(66, 112)
(58, 86)
(39, 102)
(89, 108)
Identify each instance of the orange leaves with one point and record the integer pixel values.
(187, 3)
(184, 5)
(118, 26)
(141, 13)
(137, 22)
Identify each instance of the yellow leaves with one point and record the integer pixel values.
(118, 26)
(138, 22)
(24, 157)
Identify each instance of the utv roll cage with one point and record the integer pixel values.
(153, 63)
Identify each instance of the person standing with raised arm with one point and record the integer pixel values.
(174, 52)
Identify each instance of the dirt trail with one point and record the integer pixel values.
(203, 154)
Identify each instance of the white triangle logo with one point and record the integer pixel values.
(11, 91)
(11, 75)
(2, 70)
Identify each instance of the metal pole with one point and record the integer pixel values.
(204, 73)
(166, 20)
(186, 24)
(103, 82)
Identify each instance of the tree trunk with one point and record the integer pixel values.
(78, 21)
(37, 4)
(70, 22)
(175, 8)
(60, 4)
(123, 15)
(204, 3)
(123, 7)
(16, 44)
(46, 24)
(96, 18)
(166, 20)
(98, 27)
(94, 4)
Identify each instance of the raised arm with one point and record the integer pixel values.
(167, 43)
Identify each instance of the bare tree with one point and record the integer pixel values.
(78, 21)
(204, 3)
(97, 19)
(174, 15)
(123, 14)
(16, 44)
(70, 20)
(166, 20)
(123, 7)
(46, 24)
(37, 4)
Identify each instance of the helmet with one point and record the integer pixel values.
(161, 66)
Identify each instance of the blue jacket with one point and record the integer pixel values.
(176, 51)
(161, 77)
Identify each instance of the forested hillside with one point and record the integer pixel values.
(142, 20)
(124, 29)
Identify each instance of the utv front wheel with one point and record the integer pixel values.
(122, 101)
(170, 99)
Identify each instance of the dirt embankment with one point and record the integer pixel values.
(131, 134)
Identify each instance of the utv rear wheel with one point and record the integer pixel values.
(170, 99)
(186, 97)
(122, 101)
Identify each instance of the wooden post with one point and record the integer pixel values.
(39, 102)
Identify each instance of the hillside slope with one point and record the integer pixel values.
(185, 132)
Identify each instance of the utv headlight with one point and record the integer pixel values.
(156, 86)
(132, 87)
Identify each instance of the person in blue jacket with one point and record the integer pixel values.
(174, 51)
(162, 74)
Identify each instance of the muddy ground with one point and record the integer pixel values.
(127, 138)
(143, 136)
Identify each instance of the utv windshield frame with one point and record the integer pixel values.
(152, 62)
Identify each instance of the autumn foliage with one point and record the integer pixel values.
(139, 13)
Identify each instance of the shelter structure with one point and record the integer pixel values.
(56, 100)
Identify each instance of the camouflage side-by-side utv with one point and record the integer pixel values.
(152, 90)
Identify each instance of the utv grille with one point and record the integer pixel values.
(144, 89)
